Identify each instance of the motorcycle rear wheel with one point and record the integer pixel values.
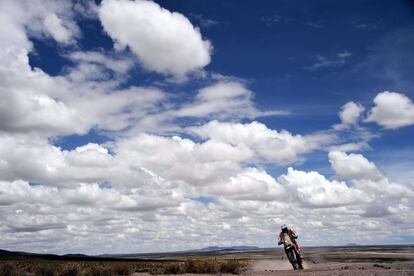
(299, 260)
(292, 259)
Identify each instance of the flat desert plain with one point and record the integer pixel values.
(344, 261)
(332, 261)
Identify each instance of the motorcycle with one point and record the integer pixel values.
(291, 252)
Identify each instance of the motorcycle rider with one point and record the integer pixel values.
(293, 234)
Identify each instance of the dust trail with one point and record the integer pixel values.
(269, 265)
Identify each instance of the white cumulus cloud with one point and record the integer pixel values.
(249, 184)
(153, 174)
(392, 110)
(54, 25)
(165, 42)
(350, 113)
(312, 189)
(269, 145)
(353, 166)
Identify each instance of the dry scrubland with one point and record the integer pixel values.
(318, 261)
(40, 267)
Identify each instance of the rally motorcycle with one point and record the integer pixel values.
(291, 252)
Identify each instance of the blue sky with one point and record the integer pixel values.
(273, 46)
(133, 116)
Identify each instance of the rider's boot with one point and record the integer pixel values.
(300, 261)
(299, 255)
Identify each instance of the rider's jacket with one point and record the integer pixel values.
(293, 234)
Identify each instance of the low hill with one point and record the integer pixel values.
(226, 248)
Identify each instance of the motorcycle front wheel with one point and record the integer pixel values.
(292, 259)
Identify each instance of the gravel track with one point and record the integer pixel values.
(269, 267)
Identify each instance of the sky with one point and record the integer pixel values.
(133, 126)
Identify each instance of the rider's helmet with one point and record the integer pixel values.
(284, 227)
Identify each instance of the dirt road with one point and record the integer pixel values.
(283, 268)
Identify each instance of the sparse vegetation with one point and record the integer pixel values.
(8, 269)
(232, 266)
(373, 259)
(97, 271)
(71, 270)
(174, 268)
(40, 267)
(45, 270)
(202, 266)
(122, 268)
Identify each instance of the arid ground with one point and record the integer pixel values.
(339, 261)
(372, 260)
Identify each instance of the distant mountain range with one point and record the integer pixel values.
(352, 244)
(19, 254)
(147, 256)
(205, 250)
(210, 249)
(226, 248)
(5, 253)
